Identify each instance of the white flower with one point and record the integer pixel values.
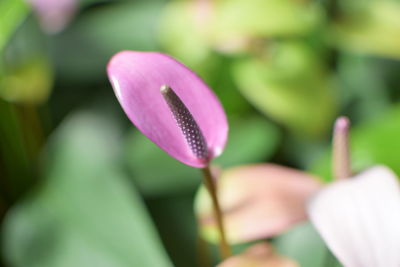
(359, 218)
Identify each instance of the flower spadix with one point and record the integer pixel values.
(169, 104)
(359, 218)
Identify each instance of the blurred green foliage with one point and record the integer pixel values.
(27, 73)
(303, 244)
(369, 27)
(86, 212)
(289, 84)
(258, 18)
(85, 188)
(12, 13)
(81, 52)
(15, 156)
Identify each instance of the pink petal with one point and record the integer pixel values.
(258, 201)
(54, 15)
(359, 218)
(259, 255)
(137, 78)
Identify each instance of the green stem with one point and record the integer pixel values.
(225, 250)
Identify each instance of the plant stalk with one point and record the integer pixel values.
(225, 250)
(341, 154)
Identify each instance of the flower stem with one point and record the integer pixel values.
(341, 155)
(225, 250)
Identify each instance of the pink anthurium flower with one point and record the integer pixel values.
(54, 15)
(175, 109)
(359, 218)
(169, 104)
(258, 201)
(259, 255)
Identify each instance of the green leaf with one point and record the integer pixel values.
(29, 82)
(291, 87)
(27, 75)
(101, 32)
(238, 18)
(364, 89)
(177, 20)
(156, 173)
(372, 29)
(304, 245)
(86, 213)
(12, 12)
(373, 142)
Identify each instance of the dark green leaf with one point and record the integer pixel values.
(304, 245)
(86, 213)
(12, 12)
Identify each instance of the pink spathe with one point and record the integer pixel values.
(137, 78)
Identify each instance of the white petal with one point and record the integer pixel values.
(359, 218)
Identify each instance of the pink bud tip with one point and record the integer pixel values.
(342, 124)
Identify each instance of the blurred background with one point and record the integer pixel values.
(80, 186)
